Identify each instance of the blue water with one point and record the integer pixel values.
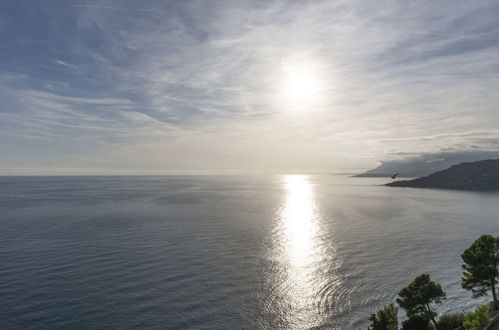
(190, 252)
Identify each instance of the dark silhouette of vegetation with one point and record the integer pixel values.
(481, 261)
(480, 275)
(416, 322)
(385, 319)
(417, 297)
(494, 306)
(451, 321)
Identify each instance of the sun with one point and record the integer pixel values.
(301, 85)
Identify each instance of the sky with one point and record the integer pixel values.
(159, 87)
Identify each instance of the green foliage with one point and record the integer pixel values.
(450, 321)
(416, 322)
(494, 306)
(478, 319)
(481, 261)
(385, 319)
(418, 295)
(480, 274)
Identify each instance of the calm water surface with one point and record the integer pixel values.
(276, 252)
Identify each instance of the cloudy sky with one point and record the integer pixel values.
(234, 86)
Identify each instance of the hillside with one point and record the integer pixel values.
(411, 169)
(480, 175)
(426, 164)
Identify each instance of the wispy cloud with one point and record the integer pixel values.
(112, 83)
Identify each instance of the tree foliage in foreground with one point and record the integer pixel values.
(477, 319)
(417, 297)
(416, 322)
(450, 321)
(385, 319)
(481, 261)
(480, 276)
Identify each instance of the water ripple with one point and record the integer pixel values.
(293, 252)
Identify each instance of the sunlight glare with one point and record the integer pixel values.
(301, 85)
(299, 219)
(300, 250)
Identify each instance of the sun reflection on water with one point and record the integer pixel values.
(298, 216)
(300, 251)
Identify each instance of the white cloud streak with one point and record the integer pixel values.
(195, 85)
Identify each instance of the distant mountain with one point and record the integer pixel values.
(480, 175)
(425, 164)
(413, 169)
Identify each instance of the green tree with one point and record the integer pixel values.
(481, 261)
(416, 322)
(418, 295)
(450, 321)
(477, 319)
(385, 319)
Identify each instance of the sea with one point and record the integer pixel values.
(226, 252)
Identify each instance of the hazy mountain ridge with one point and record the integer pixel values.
(426, 164)
(480, 175)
